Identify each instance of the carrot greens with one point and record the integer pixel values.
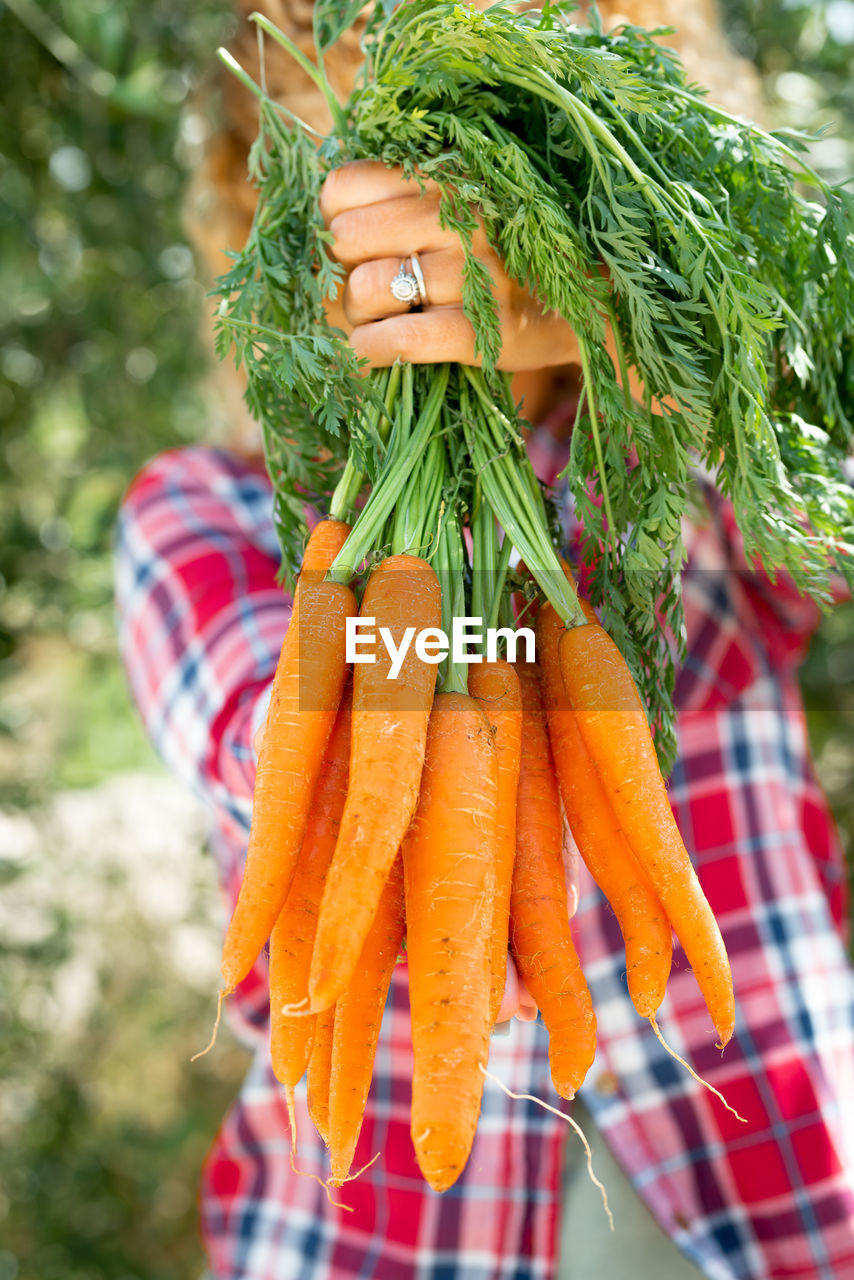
(720, 262)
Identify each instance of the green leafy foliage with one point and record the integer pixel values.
(727, 289)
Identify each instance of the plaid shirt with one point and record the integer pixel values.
(201, 622)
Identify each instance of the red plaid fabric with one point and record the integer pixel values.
(201, 621)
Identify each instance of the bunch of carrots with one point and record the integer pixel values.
(428, 801)
(431, 807)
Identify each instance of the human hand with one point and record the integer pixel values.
(378, 218)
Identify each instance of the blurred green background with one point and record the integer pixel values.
(108, 936)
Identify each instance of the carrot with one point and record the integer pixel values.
(596, 830)
(325, 541)
(448, 862)
(292, 939)
(495, 687)
(317, 1093)
(614, 727)
(306, 692)
(358, 1016)
(386, 758)
(540, 937)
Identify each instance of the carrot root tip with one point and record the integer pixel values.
(711, 1088)
(529, 1097)
(221, 994)
(351, 1177)
(292, 1116)
(304, 1173)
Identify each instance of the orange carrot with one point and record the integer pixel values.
(596, 830)
(540, 936)
(495, 687)
(325, 541)
(386, 758)
(292, 938)
(611, 718)
(448, 863)
(318, 1072)
(358, 1016)
(306, 692)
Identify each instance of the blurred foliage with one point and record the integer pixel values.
(100, 353)
(102, 1125)
(804, 50)
(109, 959)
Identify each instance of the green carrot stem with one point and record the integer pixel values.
(352, 478)
(587, 377)
(622, 360)
(406, 450)
(501, 612)
(490, 563)
(246, 80)
(316, 75)
(483, 556)
(509, 420)
(506, 617)
(346, 491)
(449, 565)
(429, 531)
(416, 517)
(407, 514)
(392, 390)
(507, 478)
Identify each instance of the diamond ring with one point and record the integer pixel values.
(404, 286)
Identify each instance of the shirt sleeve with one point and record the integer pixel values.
(201, 619)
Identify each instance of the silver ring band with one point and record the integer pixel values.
(419, 276)
(405, 287)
